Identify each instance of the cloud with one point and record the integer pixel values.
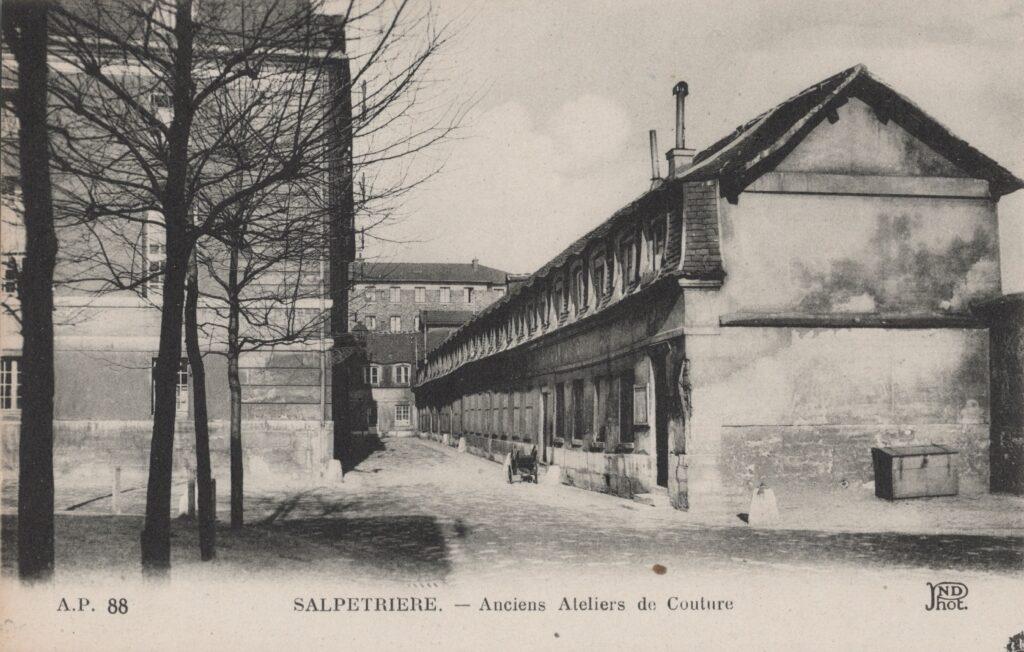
(520, 186)
(588, 130)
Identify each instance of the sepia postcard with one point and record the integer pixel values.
(512, 324)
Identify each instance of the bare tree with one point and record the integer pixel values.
(265, 290)
(141, 122)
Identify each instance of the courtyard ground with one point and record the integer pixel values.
(417, 511)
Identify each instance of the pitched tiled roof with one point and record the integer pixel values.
(383, 272)
(435, 338)
(390, 348)
(445, 317)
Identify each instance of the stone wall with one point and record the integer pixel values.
(622, 475)
(287, 447)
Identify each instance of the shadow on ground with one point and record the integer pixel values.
(410, 546)
(359, 449)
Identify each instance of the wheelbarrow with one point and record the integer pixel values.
(521, 465)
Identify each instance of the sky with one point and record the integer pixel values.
(563, 95)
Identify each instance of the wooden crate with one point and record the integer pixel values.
(915, 471)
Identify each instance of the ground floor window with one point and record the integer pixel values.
(529, 426)
(517, 424)
(626, 408)
(578, 410)
(402, 414)
(601, 408)
(559, 410)
(10, 383)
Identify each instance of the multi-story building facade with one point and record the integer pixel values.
(388, 297)
(382, 401)
(106, 341)
(789, 297)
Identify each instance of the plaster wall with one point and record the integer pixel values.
(815, 254)
(805, 406)
(859, 143)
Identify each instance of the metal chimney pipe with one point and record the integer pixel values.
(681, 90)
(655, 167)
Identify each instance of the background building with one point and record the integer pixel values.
(401, 311)
(388, 297)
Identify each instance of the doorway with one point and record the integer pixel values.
(661, 402)
(545, 435)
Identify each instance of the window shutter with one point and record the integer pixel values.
(588, 410)
(611, 412)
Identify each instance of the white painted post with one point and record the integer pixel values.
(764, 509)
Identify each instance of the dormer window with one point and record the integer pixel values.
(581, 289)
(599, 279)
(402, 374)
(658, 238)
(628, 260)
(371, 375)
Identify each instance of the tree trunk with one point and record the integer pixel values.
(235, 385)
(341, 247)
(156, 533)
(204, 476)
(25, 30)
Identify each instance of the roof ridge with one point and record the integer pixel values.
(728, 142)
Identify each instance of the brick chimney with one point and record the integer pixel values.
(679, 157)
(476, 263)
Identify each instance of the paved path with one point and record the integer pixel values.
(422, 509)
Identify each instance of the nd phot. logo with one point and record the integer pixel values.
(947, 596)
(1016, 643)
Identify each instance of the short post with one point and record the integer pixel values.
(115, 491)
(192, 497)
